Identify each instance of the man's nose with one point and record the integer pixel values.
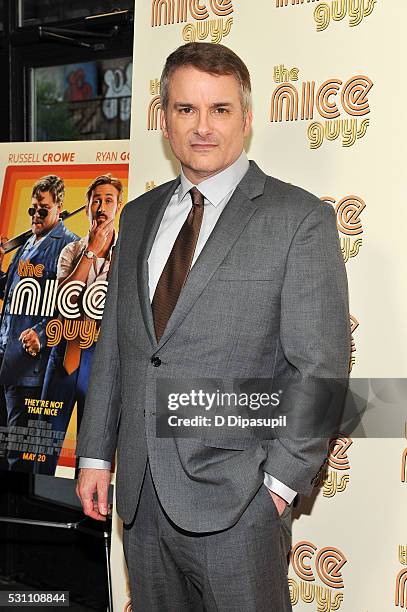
(203, 127)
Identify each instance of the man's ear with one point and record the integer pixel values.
(248, 120)
(163, 124)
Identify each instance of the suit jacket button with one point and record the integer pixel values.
(156, 361)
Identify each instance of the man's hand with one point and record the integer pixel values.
(92, 481)
(30, 341)
(279, 502)
(98, 235)
(3, 240)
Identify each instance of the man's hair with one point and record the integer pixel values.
(51, 183)
(211, 58)
(105, 179)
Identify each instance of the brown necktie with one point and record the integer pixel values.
(178, 264)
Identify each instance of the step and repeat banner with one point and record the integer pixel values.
(51, 303)
(328, 86)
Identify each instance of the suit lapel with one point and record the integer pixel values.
(226, 232)
(156, 213)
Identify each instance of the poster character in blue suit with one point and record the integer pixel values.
(23, 342)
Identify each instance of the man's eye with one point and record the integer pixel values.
(186, 110)
(221, 110)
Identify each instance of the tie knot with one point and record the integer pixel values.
(197, 197)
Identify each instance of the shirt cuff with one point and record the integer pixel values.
(279, 488)
(96, 464)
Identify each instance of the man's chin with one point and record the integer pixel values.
(202, 164)
(37, 229)
(206, 170)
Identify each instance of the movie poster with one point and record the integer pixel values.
(59, 211)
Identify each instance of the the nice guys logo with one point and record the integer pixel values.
(210, 20)
(319, 580)
(335, 109)
(325, 13)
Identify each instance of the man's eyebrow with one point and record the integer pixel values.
(177, 104)
(217, 104)
(214, 105)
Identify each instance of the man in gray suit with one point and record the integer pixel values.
(223, 273)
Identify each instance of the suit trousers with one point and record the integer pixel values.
(239, 569)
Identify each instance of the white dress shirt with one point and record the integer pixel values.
(217, 191)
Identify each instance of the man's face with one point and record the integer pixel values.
(204, 121)
(40, 226)
(103, 204)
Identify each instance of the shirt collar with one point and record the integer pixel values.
(33, 240)
(216, 188)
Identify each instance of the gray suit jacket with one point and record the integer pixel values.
(266, 297)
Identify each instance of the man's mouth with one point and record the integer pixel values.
(203, 145)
